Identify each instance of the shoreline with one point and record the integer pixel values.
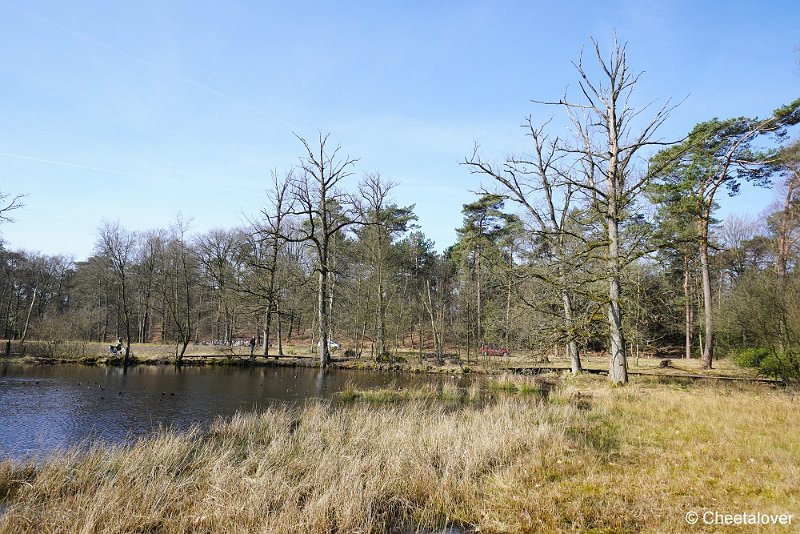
(646, 367)
(260, 361)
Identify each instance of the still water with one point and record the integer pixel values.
(44, 408)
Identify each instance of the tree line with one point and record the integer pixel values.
(600, 239)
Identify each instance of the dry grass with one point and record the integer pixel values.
(591, 458)
(659, 451)
(350, 469)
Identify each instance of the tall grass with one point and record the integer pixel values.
(592, 458)
(319, 469)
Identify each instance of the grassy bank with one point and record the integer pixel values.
(299, 355)
(590, 457)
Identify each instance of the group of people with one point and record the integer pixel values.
(116, 349)
(332, 345)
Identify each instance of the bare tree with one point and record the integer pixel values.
(266, 241)
(117, 246)
(325, 211)
(149, 262)
(180, 286)
(9, 203)
(526, 180)
(605, 145)
(217, 251)
(383, 221)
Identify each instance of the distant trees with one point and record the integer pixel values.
(218, 254)
(264, 242)
(149, 267)
(8, 203)
(382, 222)
(677, 244)
(180, 284)
(717, 153)
(479, 249)
(32, 287)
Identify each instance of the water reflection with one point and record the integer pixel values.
(43, 408)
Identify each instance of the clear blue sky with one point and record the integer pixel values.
(139, 110)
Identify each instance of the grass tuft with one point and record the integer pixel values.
(518, 384)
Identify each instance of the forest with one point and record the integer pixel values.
(602, 241)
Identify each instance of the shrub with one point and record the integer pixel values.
(751, 357)
(783, 365)
(776, 364)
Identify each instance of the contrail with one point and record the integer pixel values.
(111, 171)
(153, 66)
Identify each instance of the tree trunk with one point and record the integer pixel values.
(266, 333)
(783, 259)
(437, 340)
(381, 330)
(291, 325)
(688, 309)
(28, 317)
(507, 337)
(8, 325)
(618, 370)
(127, 321)
(323, 301)
(572, 345)
(479, 336)
(420, 334)
(361, 338)
(280, 332)
(708, 347)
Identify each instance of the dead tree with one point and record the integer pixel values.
(117, 245)
(526, 181)
(269, 236)
(604, 145)
(325, 210)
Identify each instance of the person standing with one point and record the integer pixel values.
(252, 346)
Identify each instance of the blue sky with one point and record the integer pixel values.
(140, 110)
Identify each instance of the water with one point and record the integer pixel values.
(45, 408)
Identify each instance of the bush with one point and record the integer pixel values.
(783, 365)
(776, 364)
(751, 357)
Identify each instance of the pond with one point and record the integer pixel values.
(44, 408)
